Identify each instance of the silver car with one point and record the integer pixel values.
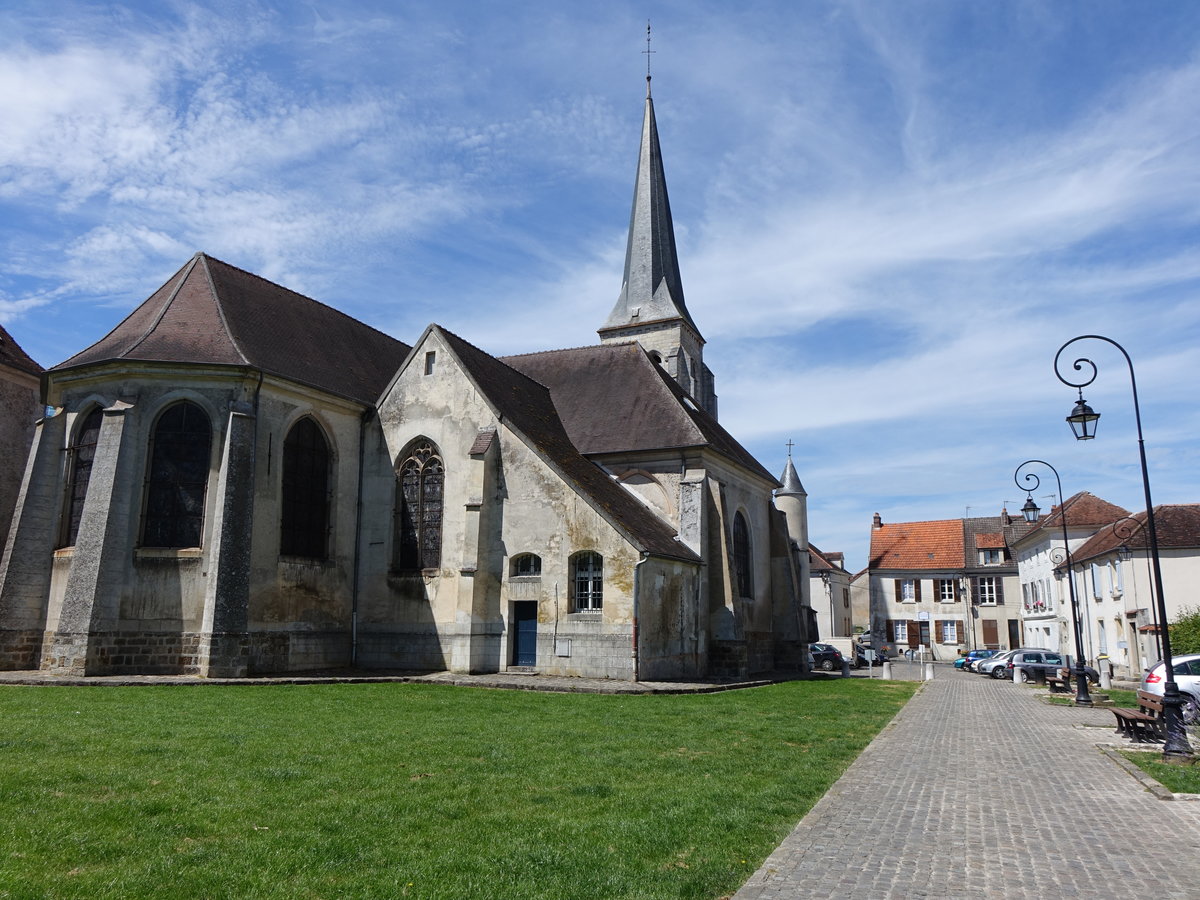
(988, 666)
(1187, 677)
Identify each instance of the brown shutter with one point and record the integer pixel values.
(914, 632)
(917, 589)
(899, 595)
(974, 590)
(936, 637)
(957, 591)
(999, 591)
(991, 638)
(890, 634)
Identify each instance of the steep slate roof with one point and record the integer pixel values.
(14, 357)
(1178, 527)
(613, 399)
(651, 289)
(791, 482)
(918, 545)
(527, 407)
(212, 312)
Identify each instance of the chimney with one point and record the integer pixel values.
(878, 522)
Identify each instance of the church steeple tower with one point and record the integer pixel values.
(651, 308)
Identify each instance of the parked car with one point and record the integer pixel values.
(1048, 661)
(987, 666)
(971, 657)
(826, 656)
(1187, 676)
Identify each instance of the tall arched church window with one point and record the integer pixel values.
(742, 556)
(420, 480)
(304, 523)
(587, 581)
(180, 451)
(82, 452)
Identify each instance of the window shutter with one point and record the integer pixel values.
(938, 632)
(914, 633)
(917, 589)
(899, 591)
(999, 591)
(957, 591)
(890, 632)
(974, 590)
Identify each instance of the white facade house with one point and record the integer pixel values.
(1039, 554)
(1117, 601)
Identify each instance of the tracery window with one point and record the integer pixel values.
(587, 581)
(304, 521)
(179, 462)
(82, 452)
(742, 556)
(420, 480)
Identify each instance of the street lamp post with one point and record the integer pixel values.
(1031, 512)
(1083, 421)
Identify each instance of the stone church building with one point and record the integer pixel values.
(238, 479)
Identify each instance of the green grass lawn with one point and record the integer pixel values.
(1178, 779)
(392, 790)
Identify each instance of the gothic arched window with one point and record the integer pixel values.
(82, 452)
(742, 557)
(304, 522)
(587, 581)
(420, 480)
(180, 450)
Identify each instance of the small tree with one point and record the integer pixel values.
(1185, 631)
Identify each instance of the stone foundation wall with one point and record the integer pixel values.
(20, 649)
(115, 653)
(297, 651)
(594, 652)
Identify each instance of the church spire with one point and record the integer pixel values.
(651, 290)
(650, 309)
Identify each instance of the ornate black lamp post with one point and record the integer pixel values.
(1031, 512)
(1083, 421)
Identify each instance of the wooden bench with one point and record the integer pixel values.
(1059, 683)
(1143, 724)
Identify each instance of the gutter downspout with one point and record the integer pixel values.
(637, 587)
(366, 417)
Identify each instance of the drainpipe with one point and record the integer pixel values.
(637, 586)
(358, 515)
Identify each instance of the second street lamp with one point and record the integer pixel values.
(1031, 512)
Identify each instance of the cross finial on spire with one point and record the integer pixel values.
(790, 445)
(648, 51)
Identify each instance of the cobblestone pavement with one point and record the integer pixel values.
(978, 789)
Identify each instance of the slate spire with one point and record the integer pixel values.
(791, 483)
(651, 290)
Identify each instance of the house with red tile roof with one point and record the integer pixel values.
(238, 479)
(947, 585)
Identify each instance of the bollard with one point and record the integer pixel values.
(929, 671)
(1016, 674)
(887, 671)
(1105, 675)
(845, 667)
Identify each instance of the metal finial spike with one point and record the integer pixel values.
(648, 51)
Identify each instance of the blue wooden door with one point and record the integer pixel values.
(525, 633)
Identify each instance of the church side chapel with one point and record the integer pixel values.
(240, 480)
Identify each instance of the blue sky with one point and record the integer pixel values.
(889, 215)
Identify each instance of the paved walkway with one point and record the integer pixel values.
(978, 789)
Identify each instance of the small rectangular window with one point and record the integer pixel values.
(430, 359)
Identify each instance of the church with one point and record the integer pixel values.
(240, 480)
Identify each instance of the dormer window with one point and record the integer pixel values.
(991, 557)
